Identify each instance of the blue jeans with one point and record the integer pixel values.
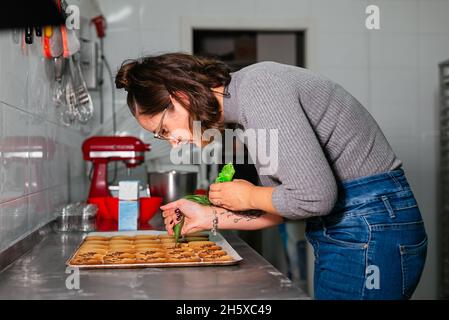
(373, 245)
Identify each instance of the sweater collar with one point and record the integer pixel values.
(230, 102)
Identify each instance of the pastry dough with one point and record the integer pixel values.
(122, 238)
(178, 259)
(146, 237)
(96, 238)
(212, 258)
(151, 260)
(207, 253)
(201, 243)
(148, 249)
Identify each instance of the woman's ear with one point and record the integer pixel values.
(176, 100)
(179, 97)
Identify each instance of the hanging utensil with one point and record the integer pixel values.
(59, 90)
(68, 114)
(48, 33)
(38, 31)
(52, 42)
(29, 35)
(85, 108)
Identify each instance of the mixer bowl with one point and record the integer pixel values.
(172, 185)
(108, 208)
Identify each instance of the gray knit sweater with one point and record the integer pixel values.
(325, 134)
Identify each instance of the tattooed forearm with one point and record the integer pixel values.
(238, 216)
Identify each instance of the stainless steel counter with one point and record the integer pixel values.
(41, 274)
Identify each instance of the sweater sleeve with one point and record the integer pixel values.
(306, 184)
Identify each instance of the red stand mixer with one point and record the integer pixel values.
(104, 149)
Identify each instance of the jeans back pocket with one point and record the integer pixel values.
(413, 258)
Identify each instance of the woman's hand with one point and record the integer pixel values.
(235, 195)
(197, 217)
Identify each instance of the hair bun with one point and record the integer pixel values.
(123, 79)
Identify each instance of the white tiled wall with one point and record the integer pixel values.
(32, 187)
(392, 71)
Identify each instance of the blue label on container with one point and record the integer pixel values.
(128, 215)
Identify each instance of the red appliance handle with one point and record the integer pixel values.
(99, 183)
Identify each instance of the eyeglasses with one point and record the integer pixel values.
(167, 136)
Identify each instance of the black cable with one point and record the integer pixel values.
(114, 122)
(101, 81)
(108, 68)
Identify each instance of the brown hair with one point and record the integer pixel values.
(150, 80)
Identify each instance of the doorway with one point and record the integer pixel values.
(242, 48)
(283, 246)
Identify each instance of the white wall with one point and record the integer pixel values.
(31, 188)
(392, 71)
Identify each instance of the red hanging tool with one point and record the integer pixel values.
(100, 26)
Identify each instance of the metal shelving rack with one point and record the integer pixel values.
(444, 181)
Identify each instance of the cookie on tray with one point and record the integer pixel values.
(183, 259)
(125, 252)
(102, 250)
(177, 252)
(90, 255)
(201, 243)
(88, 258)
(151, 260)
(96, 247)
(86, 261)
(147, 242)
(88, 251)
(168, 240)
(100, 242)
(95, 243)
(164, 236)
(120, 241)
(119, 257)
(142, 255)
(96, 238)
(130, 238)
(146, 237)
(148, 245)
(149, 250)
(216, 258)
(206, 253)
(171, 245)
(115, 260)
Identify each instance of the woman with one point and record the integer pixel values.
(335, 167)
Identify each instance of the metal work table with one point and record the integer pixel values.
(41, 274)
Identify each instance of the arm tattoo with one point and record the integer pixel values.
(242, 215)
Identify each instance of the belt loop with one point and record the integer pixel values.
(395, 181)
(388, 206)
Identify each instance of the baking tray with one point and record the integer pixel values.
(218, 239)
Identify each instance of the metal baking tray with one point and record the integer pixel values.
(218, 239)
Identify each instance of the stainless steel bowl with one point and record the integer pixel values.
(76, 217)
(172, 185)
